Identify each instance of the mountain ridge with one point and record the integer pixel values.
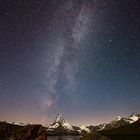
(120, 128)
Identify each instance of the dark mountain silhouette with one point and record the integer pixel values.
(128, 132)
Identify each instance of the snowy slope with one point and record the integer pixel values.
(119, 121)
(60, 122)
(18, 123)
(133, 118)
(60, 125)
(84, 128)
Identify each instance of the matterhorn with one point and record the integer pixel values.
(61, 126)
(60, 122)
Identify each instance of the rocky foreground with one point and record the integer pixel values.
(15, 132)
(30, 132)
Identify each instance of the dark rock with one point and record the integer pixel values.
(31, 132)
(94, 136)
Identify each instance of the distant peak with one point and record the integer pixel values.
(59, 114)
(59, 119)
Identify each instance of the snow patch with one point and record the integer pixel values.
(53, 126)
(133, 118)
(82, 127)
(119, 118)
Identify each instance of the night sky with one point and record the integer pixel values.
(77, 57)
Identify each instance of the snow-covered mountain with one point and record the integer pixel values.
(120, 121)
(60, 122)
(19, 123)
(61, 126)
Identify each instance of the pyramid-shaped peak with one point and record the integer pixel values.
(59, 119)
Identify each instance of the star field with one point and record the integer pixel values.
(77, 57)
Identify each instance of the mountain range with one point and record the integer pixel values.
(118, 122)
(61, 126)
(121, 126)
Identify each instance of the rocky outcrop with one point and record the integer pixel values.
(7, 129)
(31, 132)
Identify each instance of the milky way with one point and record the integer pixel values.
(64, 50)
